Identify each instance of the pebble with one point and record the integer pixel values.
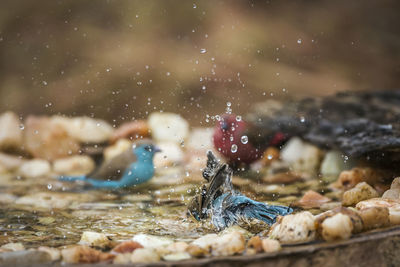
(270, 245)
(339, 226)
(205, 241)
(10, 162)
(126, 247)
(119, 147)
(84, 254)
(351, 213)
(168, 127)
(171, 154)
(302, 156)
(122, 258)
(48, 140)
(35, 168)
(24, 258)
(94, 239)
(178, 247)
(333, 164)
(255, 243)
(361, 191)
(85, 129)
(152, 241)
(10, 132)
(74, 165)
(55, 254)
(144, 255)
(178, 256)
(374, 217)
(394, 191)
(228, 244)
(392, 204)
(312, 199)
(294, 228)
(131, 130)
(13, 247)
(349, 179)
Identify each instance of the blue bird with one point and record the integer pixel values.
(224, 205)
(132, 167)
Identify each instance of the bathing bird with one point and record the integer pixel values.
(132, 167)
(359, 124)
(226, 206)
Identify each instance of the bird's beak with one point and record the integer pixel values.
(157, 149)
(224, 125)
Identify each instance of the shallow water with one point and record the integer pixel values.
(46, 212)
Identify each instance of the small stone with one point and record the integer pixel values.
(362, 191)
(353, 215)
(116, 149)
(337, 227)
(237, 228)
(301, 156)
(205, 241)
(178, 247)
(126, 247)
(392, 204)
(200, 139)
(144, 255)
(168, 127)
(24, 258)
(271, 154)
(255, 243)
(10, 132)
(197, 251)
(375, 217)
(54, 253)
(85, 129)
(84, 254)
(395, 183)
(48, 140)
(270, 245)
(392, 193)
(35, 168)
(178, 256)
(11, 162)
(171, 154)
(75, 165)
(333, 164)
(131, 130)
(294, 228)
(152, 241)
(122, 258)
(349, 179)
(13, 247)
(94, 239)
(228, 244)
(312, 199)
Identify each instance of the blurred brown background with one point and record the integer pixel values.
(120, 60)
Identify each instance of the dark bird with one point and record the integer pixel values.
(132, 167)
(360, 124)
(223, 204)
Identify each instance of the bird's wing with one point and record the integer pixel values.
(212, 166)
(114, 168)
(217, 184)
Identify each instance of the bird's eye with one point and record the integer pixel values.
(147, 148)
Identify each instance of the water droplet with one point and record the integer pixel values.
(228, 104)
(194, 6)
(203, 87)
(168, 73)
(234, 148)
(302, 119)
(238, 118)
(49, 186)
(269, 157)
(299, 41)
(244, 139)
(203, 51)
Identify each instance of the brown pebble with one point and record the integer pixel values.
(84, 254)
(312, 199)
(131, 130)
(126, 247)
(255, 243)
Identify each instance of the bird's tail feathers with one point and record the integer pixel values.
(72, 178)
(269, 213)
